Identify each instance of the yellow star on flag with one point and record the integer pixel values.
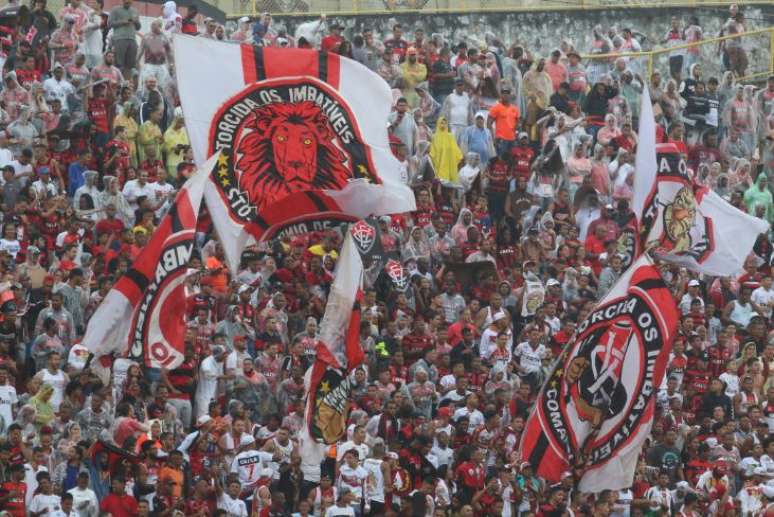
(325, 387)
(223, 160)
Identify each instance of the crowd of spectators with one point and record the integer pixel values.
(523, 168)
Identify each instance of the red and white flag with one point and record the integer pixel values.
(681, 221)
(338, 350)
(143, 315)
(596, 407)
(302, 133)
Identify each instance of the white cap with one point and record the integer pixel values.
(693, 283)
(246, 439)
(243, 288)
(244, 19)
(498, 315)
(552, 281)
(202, 420)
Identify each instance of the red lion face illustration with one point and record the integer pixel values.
(289, 148)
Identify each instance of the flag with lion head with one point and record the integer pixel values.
(302, 136)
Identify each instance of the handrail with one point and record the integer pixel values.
(649, 54)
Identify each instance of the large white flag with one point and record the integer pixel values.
(143, 315)
(680, 221)
(303, 137)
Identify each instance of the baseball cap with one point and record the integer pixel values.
(33, 250)
(693, 283)
(246, 439)
(552, 281)
(524, 465)
(444, 412)
(244, 19)
(243, 288)
(202, 420)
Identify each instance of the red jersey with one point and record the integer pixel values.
(15, 505)
(522, 160)
(470, 475)
(99, 108)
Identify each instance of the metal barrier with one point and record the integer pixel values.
(651, 56)
(312, 8)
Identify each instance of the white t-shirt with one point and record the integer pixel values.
(623, 504)
(362, 450)
(251, 466)
(459, 109)
(132, 190)
(42, 502)
(58, 381)
(234, 507)
(84, 496)
(531, 360)
(12, 247)
(8, 399)
(763, 297)
(475, 417)
(336, 510)
(20, 169)
(354, 479)
(732, 383)
(208, 383)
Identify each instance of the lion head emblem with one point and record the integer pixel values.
(288, 148)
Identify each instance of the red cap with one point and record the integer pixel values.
(444, 412)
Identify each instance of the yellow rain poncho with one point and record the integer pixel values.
(444, 153)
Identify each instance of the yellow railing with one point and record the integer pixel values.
(652, 55)
(311, 8)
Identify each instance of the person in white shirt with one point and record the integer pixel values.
(530, 354)
(471, 412)
(229, 500)
(136, 188)
(251, 465)
(357, 443)
(457, 109)
(763, 296)
(441, 452)
(8, 400)
(44, 502)
(659, 496)
(65, 508)
(22, 168)
(343, 506)
(162, 194)
(352, 477)
(84, 500)
(690, 296)
(210, 372)
(6, 155)
(43, 186)
(58, 87)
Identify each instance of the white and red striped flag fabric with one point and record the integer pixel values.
(143, 316)
(303, 137)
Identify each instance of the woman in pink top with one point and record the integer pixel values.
(609, 131)
(578, 166)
